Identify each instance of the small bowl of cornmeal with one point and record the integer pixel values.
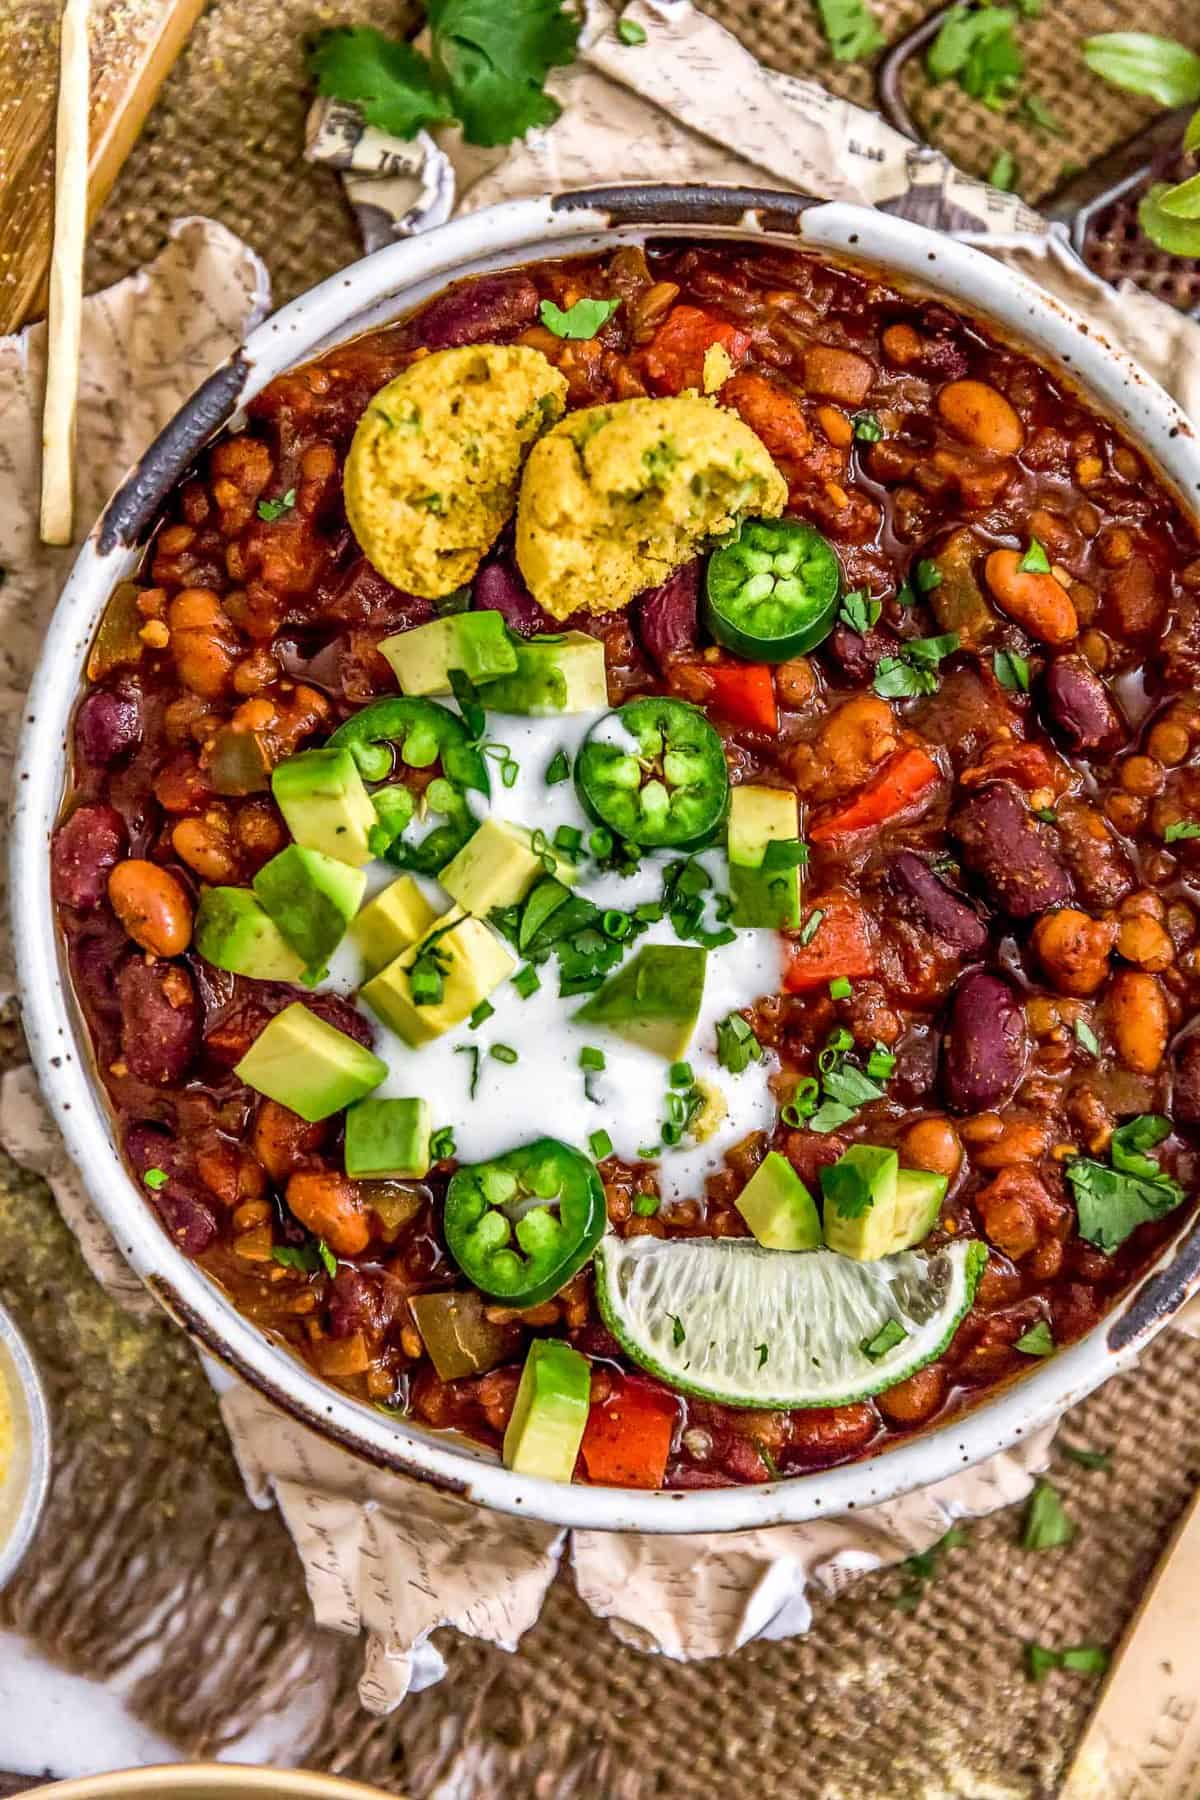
(24, 1448)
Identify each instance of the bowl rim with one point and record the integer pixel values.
(15, 1355)
(386, 285)
(156, 1780)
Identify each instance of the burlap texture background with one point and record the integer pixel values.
(148, 1527)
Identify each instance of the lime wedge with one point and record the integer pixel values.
(726, 1320)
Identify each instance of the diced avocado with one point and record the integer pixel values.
(475, 642)
(460, 1341)
(233, 932)
(873, 1208)
(778, 1207)
(472, 961)
(496, 866)
(654, 1000)
(312, 899)
(765, 857)
(390, 922)
(563, 673)
(388, 1140)
(308, 1066)
(550, 1411)
(321, 796)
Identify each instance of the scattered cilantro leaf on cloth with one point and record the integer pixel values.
(1083, 1659)
(493, 57)
(391, 83)
(920, 1569)
(851, 29)
(583, 320)
(977, 48)
(1003, 172)
(1086, 1459)
(1047, 1524)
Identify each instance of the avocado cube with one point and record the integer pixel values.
(778, 1207)
(312, 899)
(473, 960)
(389, 923)
(496, 866)
(308, 1066)
(874, 1208)
(765, 857)
(563, 673)
(475, 642)
(550, 1411)
(654, 1000)
(322, 798)
(233, 932)
(388, 1140)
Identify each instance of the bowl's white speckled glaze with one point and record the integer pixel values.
(368, 294)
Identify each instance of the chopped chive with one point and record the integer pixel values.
(647, 1152)
(649, 912)
(568, 838)
(616, 925)
(600, 843)
(671, 1132)
(680, 1075)
(481, 1015)
(600, 1145)
(558, 768)
(880, 1063)
(527, 981)
(808, 930)
(471, 1050)
(590, 1058)
(503, 1053)
(840, 988)
(867, 428)
(441, 1144)
(646, 1205)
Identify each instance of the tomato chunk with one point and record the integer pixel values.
(674, 358)
(628, 1438)
(744, 693)
(903, 780)
(841, 945)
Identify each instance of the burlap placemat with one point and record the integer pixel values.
(149, 1530)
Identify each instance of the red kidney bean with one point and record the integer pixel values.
(948, 916)
(986, 1044)
(109, 724)
(96, 952)
(857, 654)
(336, 1012)
(487, 307)
(160, 1019)
(180, 1202)
(1185, 1100)
(1078, 707)
(84, 852)
(1001, 844)
(499, 588)
(666, 616)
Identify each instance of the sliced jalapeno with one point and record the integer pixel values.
(654, 773)
(521, 1225)
(416, 734)
(773, 592)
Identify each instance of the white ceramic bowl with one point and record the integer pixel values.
(367, 295)
(208, 1781)
(25, 1473)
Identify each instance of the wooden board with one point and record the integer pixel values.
(133, 45)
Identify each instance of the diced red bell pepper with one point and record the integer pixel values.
(628, 1438)
(902, 781)
(1028, 765)
(840, 946)
(674, 358)
(744, 693)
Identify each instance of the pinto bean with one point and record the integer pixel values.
(932, 1144)
(913, 1401)
(283, 1141)
(980, 415)
(152, 905)
(85, 850)
(1078, 707)
(949, 917)
(203, 642)
(1014, 1210)
(160, 1020)
(1038, 602)
(1137, 1016)
(986, 1044)
(1001, 844)
(1074, 950)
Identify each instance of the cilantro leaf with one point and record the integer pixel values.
(859, 611)
(391, 83)
(155, 1179)
(492, 56)
(737, 1046)
(304, 1257)
(583, 320)
(914, 671)
(1131, 1139)
(886, 1338)
(1035, 561)
(1086, 1038)
(1003, 172)
(1011, 670)
(677, 1332)
(630, 32)
(1178, 237)
(1048, 1525)
(1143, 63)
(1180, 830)
(977, 48)
(270, 510)
(867, 428)
(1084, 1659)
(851, 29)
(1087, 1459)
(1037, 1341)
(1111, 1204)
